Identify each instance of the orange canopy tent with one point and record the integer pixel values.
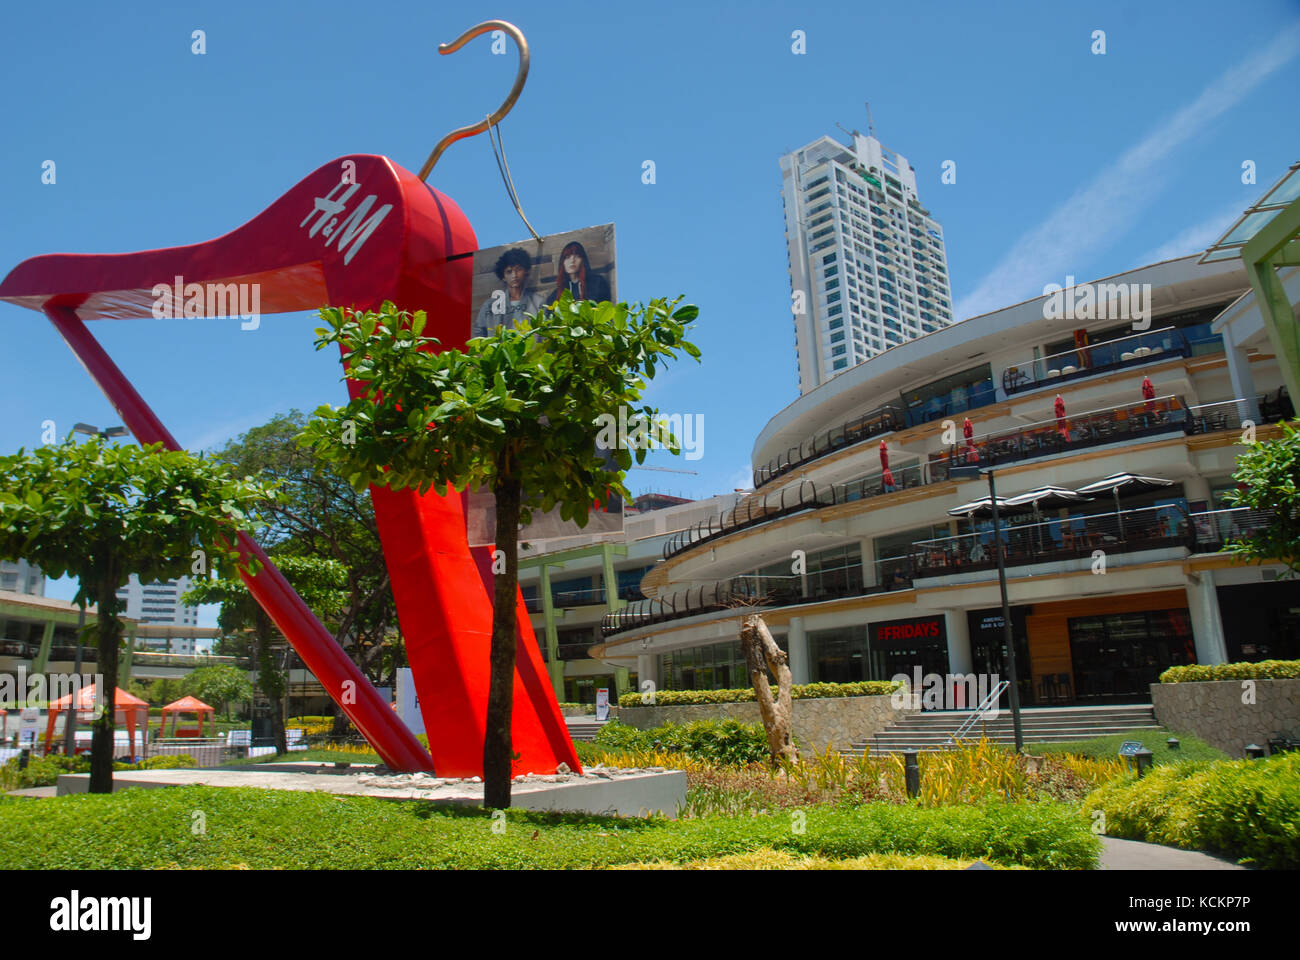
(130, 708)
(188, 705)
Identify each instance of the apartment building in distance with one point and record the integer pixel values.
(868, 265)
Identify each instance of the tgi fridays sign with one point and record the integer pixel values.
(894, 633)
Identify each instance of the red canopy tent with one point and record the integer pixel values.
(188, 705)
(130, 708)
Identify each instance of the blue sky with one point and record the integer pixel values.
(1067, 162)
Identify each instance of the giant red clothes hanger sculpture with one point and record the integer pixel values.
(358, 231)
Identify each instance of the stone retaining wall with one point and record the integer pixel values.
(1213, 710)
(818, 723)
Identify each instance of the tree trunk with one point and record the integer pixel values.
(498, 751)
(270, 680)
(762, 654)
(102, 746)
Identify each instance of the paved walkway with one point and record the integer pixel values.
(34, 792)
(1119, 854)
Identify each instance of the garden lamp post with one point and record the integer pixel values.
(1014, 689)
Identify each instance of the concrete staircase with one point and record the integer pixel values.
(584, 728)
(930, 731)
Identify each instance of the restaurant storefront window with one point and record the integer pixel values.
(1261, 621)
(839, 655)
(1117, 656)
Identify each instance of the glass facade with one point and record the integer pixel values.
(848, 654)
(717, 666)
(1121, 654)
(951, 395)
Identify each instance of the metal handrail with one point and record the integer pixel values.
(978, 712)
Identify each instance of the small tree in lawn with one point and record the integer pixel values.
(217, 686)
(521, 412)
(321, 585)
(100, 512)
(1269, 478)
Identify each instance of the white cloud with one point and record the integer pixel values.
(1198, 236)
(1110, 205)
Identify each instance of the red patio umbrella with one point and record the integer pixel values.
(968, 431)
(1062, 427)
(1149, 394)
(884, 456)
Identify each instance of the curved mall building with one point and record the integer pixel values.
(865, 540)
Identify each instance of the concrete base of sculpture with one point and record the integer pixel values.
(601, 790)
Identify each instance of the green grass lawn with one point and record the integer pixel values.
(267, 829)
(1190, 747)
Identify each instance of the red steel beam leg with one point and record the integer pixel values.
(348, 686)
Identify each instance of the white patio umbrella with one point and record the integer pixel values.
(1125, 483)
(1046, 496)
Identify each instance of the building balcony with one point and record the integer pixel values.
(1023, 544)
(886, 419)
(1047, 439)
(1099, 358)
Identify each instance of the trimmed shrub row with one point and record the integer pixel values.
(724, 742)
(45, 771)
(800, 691)
(1264, 670)
(1245, 809)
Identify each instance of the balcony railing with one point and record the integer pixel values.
(578, 598)
(882, 420)
(746, 590)
(1045, 438)
(1057, 435)
(1147, 528)
(1054, 540)
(1096, 358)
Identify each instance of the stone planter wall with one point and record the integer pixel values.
(1213, 711)
(833, 721)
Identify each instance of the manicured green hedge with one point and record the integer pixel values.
(1245, 809)
(44, 771)
(1264, 670)
(272, 829)
(800, 691)
(726, 742)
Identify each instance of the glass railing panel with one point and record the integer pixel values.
(1097, 358)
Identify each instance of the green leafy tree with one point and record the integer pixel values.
(100, 513)
(1268, 475)
(320, 583)
(522, 410)
(218, 686)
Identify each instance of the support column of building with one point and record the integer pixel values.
(43, 654)
(1197, 488)
(647, 669)
(870, 576)
(1243, 384)
(1207, 622)
(958, 629)
(554, 665)
(800, 662)
(613, 602)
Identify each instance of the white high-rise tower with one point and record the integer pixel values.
(868, 268)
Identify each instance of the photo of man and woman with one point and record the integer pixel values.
(517, 280)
